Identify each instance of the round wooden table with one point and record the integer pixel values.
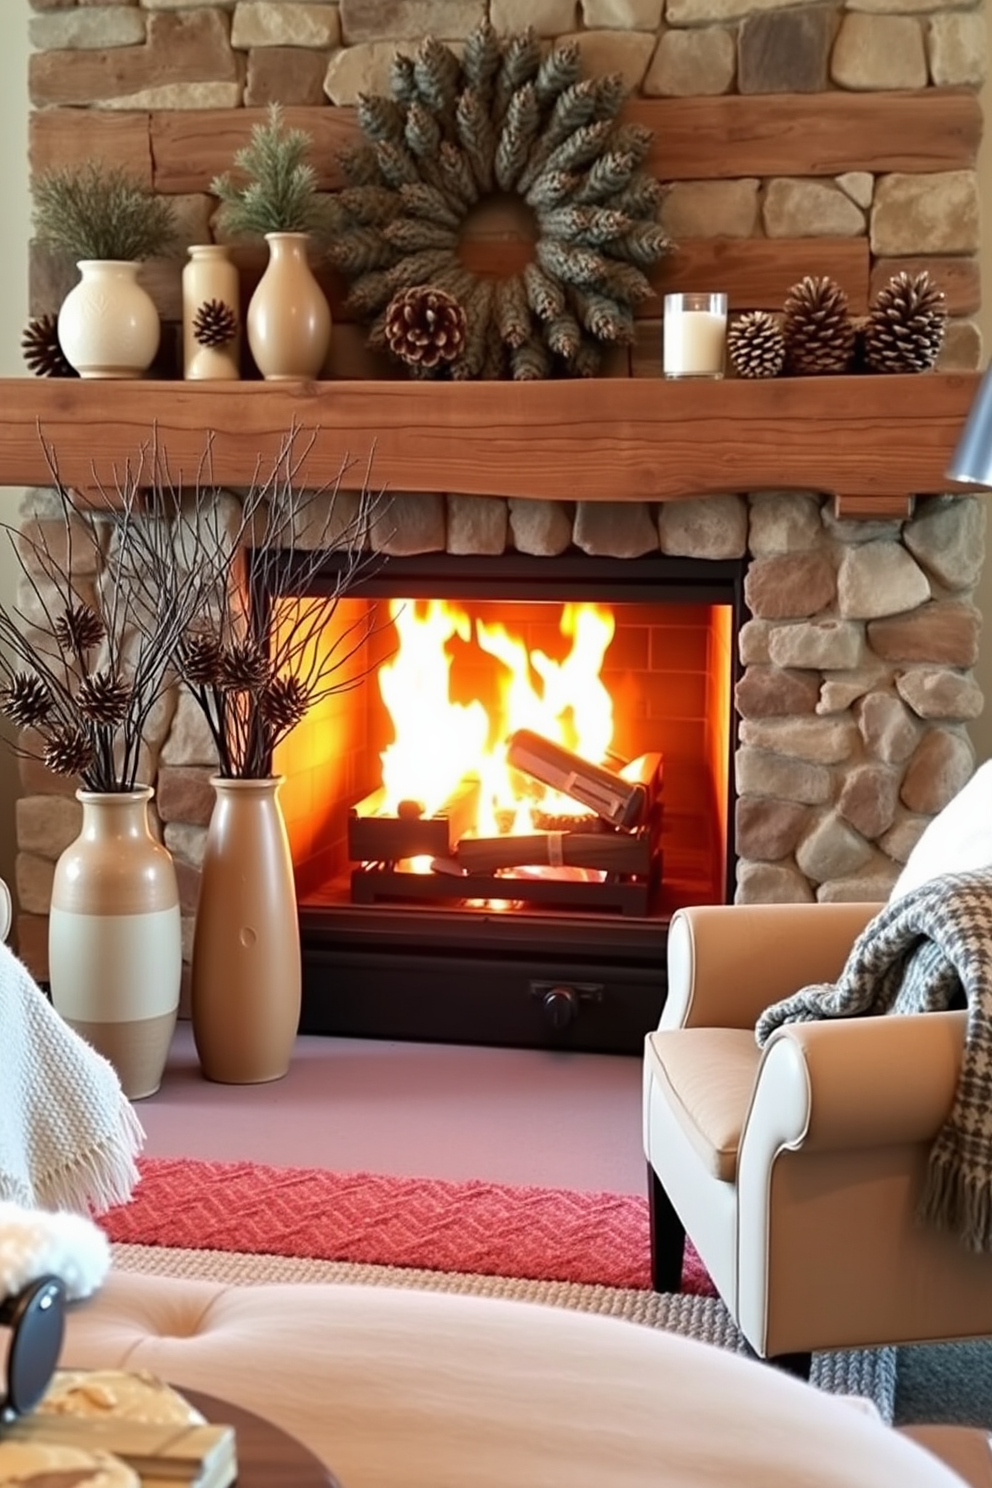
(266, 1454)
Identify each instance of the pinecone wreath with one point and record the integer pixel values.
(502, 119)
(818, 330)
(43, 350)
(215, 323)
(756, 345)
(905, 327)
(425, 328)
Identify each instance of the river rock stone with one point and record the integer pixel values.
(888, 728)
(868, 799)
(771, 883)
(879, 578)
(774, 692)
(943, 631)
(942, 764)
(935, 692)
(790, 586)
(768, 829)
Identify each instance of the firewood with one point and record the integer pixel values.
(612, 852)
(376, 836)
(621, 803)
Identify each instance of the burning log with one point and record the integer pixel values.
(378, 836)
(612, 852)
(622, 803)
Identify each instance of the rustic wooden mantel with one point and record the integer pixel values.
(873, 443)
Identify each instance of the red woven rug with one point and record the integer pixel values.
(492, 1229)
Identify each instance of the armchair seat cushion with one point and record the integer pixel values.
(708, 1075)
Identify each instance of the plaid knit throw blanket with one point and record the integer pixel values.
(929, 950)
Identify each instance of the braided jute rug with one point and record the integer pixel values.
(867, 1372)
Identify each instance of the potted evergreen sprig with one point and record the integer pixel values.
(289, 319)
(107, 221)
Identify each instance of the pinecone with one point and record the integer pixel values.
(905, 327)
(244, 667)
(68, 751)
(756, 345)
(103, 698)
(43, 350)
(818, 330)
(425, 327)
(284, 703)
(78, 629)
(200, 660)
(215, 323)
(26, 701)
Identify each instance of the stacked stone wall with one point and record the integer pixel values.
(857, 680)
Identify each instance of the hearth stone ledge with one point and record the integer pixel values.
(856, 688)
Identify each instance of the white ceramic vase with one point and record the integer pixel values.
(210, 276)
(108, 323)
(115, 938)
(289, 319)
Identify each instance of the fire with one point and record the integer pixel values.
(439, 742)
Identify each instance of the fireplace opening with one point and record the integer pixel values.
(527, 773)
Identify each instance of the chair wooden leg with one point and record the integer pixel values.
(798, 1364)
(667, 1238)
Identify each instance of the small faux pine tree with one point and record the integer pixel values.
(280, 194)
(100, 212)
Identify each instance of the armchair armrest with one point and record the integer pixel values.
(848, 1083)
(728, 962)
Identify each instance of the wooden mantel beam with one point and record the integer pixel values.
(870, 442)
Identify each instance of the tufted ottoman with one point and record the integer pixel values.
(413, 1389)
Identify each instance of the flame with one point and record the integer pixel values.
(439, 742)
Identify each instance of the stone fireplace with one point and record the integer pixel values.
(796, 139)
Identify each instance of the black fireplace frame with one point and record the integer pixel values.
(564, 981)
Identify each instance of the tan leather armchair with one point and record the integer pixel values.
(796, 1170)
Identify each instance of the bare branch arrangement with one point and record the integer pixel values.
(88, 653)
(268, 644)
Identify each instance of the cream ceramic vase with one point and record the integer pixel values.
(115, 939)
(289, 319)
(246, 970)
(210, 276)
(108, 323)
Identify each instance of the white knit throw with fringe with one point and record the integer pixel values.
(69, 1136)
(927, 951)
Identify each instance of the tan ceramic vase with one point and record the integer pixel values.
(210, 276)
(108, 323)
(289, 319)
(246, 970)
(115, 939)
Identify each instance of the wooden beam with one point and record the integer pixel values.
(811, 134)
(781, 134)
(63, 137)
(864, 439)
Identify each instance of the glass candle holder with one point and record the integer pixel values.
(694, 335)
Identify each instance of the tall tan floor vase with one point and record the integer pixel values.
(246, 969)
(115, 939)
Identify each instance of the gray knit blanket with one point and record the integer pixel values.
(928, 951)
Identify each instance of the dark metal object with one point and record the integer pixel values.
(36, 1319)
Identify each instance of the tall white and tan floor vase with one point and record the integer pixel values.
(115, 937)
(289, 319)
(245, 983)
(211, 315)
(108, 323)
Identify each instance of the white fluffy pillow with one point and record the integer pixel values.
(958, 839)
(38, 1242)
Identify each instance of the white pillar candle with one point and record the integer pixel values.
(694, 335)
